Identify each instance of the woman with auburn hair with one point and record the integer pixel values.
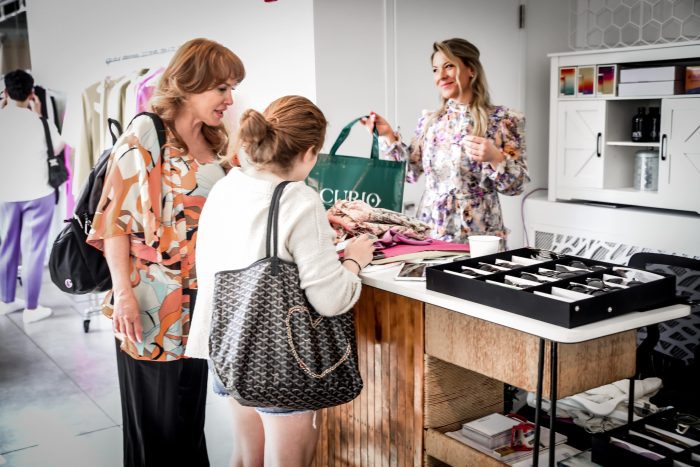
(280, 144)
(146, 223)
(469, 149)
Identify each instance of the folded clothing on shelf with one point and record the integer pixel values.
(605, 407)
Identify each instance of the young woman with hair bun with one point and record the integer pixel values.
(280, 144)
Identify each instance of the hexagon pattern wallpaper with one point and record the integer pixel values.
(597, 24)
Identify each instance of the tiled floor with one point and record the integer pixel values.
(59, 395)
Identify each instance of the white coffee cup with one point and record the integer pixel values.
(480, 245)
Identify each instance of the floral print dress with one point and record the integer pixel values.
(155, 200)
(461, 195)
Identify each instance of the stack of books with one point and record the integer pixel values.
(490, 431)
(491, 435)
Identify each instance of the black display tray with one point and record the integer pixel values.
(607, 454)
(524, 302)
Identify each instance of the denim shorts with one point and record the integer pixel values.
(220, 390)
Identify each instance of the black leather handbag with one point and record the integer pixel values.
(269, 347)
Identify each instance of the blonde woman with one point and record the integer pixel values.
(469, 149)
(146, 223)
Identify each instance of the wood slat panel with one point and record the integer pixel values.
(455, 395)
(510, 356)
(382, 427)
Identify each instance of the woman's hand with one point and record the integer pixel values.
(360, 249)
(126, 318)
(483, 150)
(383, 127)
(35, 104)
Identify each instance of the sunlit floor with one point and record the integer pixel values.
(59, 394)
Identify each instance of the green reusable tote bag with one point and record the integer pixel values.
(377, 182)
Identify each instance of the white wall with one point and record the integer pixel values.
(350, 72)
(350, 57)
(547, 25)
(71, 39)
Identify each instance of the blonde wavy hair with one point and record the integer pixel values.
(288, 127)
(197, 66)
(461, 50)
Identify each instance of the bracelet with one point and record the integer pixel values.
(354, 261)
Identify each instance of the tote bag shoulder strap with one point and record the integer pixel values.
(47, 135)
(374, 154)
(271, 238)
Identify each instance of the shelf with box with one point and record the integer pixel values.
(597, 153)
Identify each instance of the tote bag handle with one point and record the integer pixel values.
(273, 226)
(346, 131)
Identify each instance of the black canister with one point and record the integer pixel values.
(638, 125)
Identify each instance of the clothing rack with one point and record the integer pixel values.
(146, 53)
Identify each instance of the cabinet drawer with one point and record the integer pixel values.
(510, 355)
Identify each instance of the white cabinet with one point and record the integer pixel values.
(679, 162)
(580, 143)
(591, 154)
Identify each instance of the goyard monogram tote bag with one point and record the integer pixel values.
(269, 347)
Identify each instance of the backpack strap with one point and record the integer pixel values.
(158, 123)
(50, 156)
(113, 125)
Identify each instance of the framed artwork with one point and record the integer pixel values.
(586, 81)
(607, 78)
(567, 81)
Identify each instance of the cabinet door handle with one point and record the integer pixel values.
(597, 144)
(664, 147)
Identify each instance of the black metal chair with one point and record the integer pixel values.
(671, 350)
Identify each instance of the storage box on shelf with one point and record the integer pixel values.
(591, 151)
(544, 301)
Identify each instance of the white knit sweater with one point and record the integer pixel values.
(231, 235)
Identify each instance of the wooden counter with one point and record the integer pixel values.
(431, 362)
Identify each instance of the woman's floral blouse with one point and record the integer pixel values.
(156, 201)
(461, 195)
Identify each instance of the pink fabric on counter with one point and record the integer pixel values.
(435, 245)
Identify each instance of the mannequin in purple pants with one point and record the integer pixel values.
(26, 198)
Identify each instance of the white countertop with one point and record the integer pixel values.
(384, 279)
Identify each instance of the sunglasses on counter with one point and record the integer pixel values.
(491, 268)
(622, 281)
(545, 255)
(533, 277)
(508, 264)
(558, 274)
(589, 290)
